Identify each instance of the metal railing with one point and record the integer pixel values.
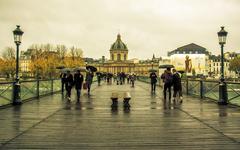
(205, 89)
(29, 90)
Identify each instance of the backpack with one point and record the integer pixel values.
(168, 78)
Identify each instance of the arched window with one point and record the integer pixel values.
(125, 57)
(112, 57)
(118, 57)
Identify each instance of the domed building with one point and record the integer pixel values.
(119, 62)
(118, 50)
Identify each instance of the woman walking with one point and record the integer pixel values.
(177, 85)
(69, 84)
(88, 80)
(153, 77)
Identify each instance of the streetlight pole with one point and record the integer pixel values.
(16, 87)
(223, 95)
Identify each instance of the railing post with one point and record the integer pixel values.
(37, 87)
(52, 86)
(201, 89)
(187, 86)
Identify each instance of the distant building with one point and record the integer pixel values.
(119, 61)
(215, 64)
(25, 60)
(191, 58)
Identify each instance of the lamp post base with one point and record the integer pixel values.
(16, 94)
(223, 95)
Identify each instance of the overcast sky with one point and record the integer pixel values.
(146, 26)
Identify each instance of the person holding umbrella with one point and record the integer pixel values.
(78, 81)
(153, 77)
(88, 80)
(63, 77)
(177, 85)
(99, 75)
(68, 84)
(168, 80)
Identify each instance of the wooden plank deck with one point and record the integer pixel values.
(52, 123)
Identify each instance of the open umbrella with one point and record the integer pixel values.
(60, 67)
(65, 70)
(92, 68)
(166, 66)
(82, 69)
(152, 70)
(181, 71)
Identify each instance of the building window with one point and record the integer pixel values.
(118, 57)
(125, 57)
(112, 57)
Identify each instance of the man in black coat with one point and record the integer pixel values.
(78, 81)
(153, 77)
(63, 78)
(69, 84)
(177, 85)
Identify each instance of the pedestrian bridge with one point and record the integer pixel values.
(53, 123)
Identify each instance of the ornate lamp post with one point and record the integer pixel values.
(223, 96)
(17, 33)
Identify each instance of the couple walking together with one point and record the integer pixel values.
(77, 80)
(172, 79)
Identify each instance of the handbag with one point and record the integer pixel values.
(84, 85)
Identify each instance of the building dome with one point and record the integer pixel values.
(118, 45)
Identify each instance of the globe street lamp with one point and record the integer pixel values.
(17, 33)
(223, 96)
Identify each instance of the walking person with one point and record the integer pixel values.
(78, 81)
(132, 79)
(153, 77)
(177, 85)
(63, 77)
(99, 78)
(88, 80)
(168, 79)
(68, 84)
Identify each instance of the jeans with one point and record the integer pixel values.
(89, 87)
(167, 86)
(177, 91)
(153, 87)
(68, 89)
(78, 93)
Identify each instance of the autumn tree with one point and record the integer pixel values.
(46, 58)
(8, 62)
(234, 65)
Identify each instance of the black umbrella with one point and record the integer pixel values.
(92, 68)
(166, 66)
(98, 73)
(60, 67)
(82, 69)
(181, 71)
(65, 70)
(152, 70)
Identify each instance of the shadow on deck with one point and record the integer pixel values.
(53, 123)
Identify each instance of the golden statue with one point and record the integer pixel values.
(188, 64)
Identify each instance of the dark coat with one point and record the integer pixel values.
(89, 78)
(153, 77)
(63, 77)
(69, 80)
(177, 83)
(78, 80)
